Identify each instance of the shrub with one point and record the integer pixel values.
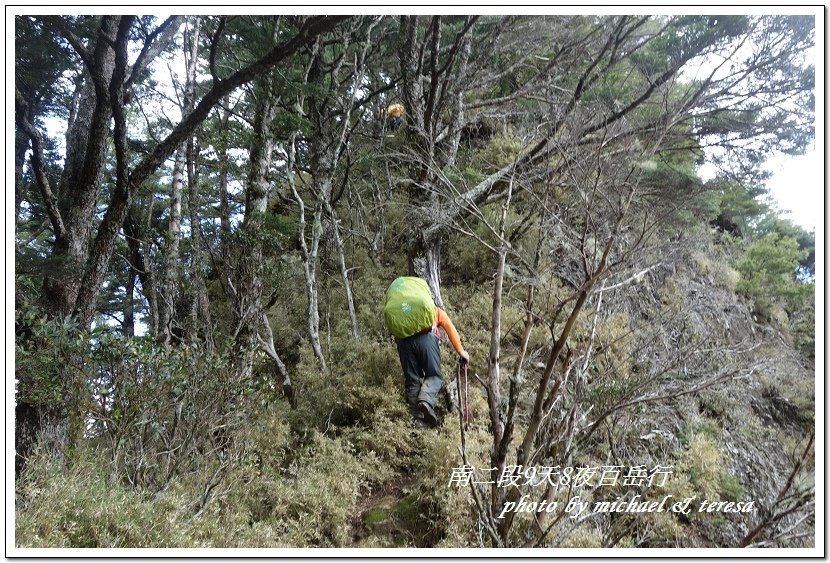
(310, 501)
(80, 506)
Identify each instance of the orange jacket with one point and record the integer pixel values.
(444, 322)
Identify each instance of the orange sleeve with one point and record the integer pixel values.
(445, 323)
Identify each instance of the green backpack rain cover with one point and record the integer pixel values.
(408, 307)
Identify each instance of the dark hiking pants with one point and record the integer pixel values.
(421, 363)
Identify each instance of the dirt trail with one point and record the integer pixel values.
(393, 515)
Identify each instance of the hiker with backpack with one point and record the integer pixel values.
(413, 318)
(395, 113)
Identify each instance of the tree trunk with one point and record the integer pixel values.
(21, 146)
(494, 360)
(170, 290)
(138, 265)
(432, 93)
(330, 128)
(248, 270)
(344, 274)
(312, 258)
(199, 320)
(309, 257)
(128, 326)
(282, 371)
(170, 270)
(424, 261)
(224, 199)
(87, 142)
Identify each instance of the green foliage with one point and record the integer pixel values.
(703, 463)
(803, 328)
(80, 506)
(300, 483)
(465, 263)
(469, 176)
(735, 207)
(42, 347)
(442, 512)
(716, 269)
(373, 517)
(499, 152)
(730, 489)
(345, 463)
(40, 64)
(768, 272)
(309, 501)
(773, 224)
(584, 538)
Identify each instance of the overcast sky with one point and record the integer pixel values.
(798, 187)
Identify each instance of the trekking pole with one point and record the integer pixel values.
(465, 403)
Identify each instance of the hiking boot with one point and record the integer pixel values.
(419, 423)
(429, 414)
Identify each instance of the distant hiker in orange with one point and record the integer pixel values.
(395, 114)
(413, 318)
